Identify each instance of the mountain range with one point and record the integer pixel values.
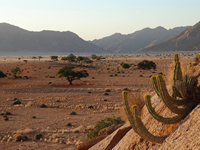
(187, 40)
(17, 41)
(138, 40)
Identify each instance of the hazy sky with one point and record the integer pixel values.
(94, 19)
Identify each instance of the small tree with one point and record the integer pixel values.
(55, 58)
(2, 75)
(40, 57)
(34, 57)
(15, 71)
(70, 74)
(64, 58)
(80, 58)
(25, 61)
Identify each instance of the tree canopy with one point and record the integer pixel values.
(70, 74)
(2, 75)
(55, 58)
(15, 71)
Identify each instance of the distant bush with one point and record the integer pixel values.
(145, 64)
(103, 124)
(2, 75)
(125, 65)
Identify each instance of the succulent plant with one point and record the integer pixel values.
(185, 94)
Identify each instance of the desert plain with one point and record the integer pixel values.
(40, 85)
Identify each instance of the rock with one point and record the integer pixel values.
(16, 102)
(43, 106)
(19, 137)
(109, 130)
(89, 143)
(111, 140)
(186, 136)
(38, 136)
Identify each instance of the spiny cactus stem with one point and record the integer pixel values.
(128, 112)
(171, 99)
(174, 119)
(182, 88)
(155, 86)
(165, 97)
(177, 72)
(176, 58)
(143, 132)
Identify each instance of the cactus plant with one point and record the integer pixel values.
(185, 92)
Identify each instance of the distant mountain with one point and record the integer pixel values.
(138, 40)
(187, 40)
(14, 40)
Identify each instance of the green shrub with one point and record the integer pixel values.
(103, 124)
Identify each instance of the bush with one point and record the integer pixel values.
(2, 75)
(124, 65)
(145, 64)
(103, 124)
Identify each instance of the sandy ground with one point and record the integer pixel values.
(61, 98)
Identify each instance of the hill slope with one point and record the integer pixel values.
(14, 40)
(187, 40)
(140, 39)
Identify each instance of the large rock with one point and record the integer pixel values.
(111, 140)
(187, 135)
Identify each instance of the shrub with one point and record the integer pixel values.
(2, 75)
(145, 64)
(124, 65)
(103, 124)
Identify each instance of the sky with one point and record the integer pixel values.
(95, 19)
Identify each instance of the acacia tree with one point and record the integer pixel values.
(40, 57)
(55, 58)
(15, 71)
(2, 75)
(70, 74)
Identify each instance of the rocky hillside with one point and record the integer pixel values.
(140, 39)
(184, 136)
(187, 40)
(14, 40)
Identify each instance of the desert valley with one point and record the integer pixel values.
(40, 109)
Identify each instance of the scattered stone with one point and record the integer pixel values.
(38, 136)
(105, 100)
(125, 89)
(105, 93)
(43, 106)
(73, 113)
(49, 82)
(16, 102)
(69, 124)
(58, 101)
(90, 107)
(34, 117)
(19, 138)
(107, 90)
(89, 92)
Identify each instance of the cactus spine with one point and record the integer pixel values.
(137, 124)
(183, 88)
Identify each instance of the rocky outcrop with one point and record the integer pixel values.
(184, 136)
(187, 135)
